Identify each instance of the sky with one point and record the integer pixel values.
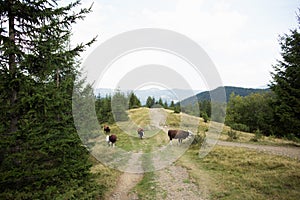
(241, 37)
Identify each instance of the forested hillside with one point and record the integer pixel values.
(205, 96)
(41, 155)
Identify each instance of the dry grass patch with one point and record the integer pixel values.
(237, 173)
(173, 120)
(140, 116)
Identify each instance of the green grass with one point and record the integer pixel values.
(225, 173)
(131, 142)
(236, 173)
(146, 187)
(245, 137)
(186, 181)
(105, 177)
(128, 138)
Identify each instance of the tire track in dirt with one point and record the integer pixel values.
(174, 181)
(292, 152)
(128, 180)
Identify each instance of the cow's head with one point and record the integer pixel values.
(190, 133)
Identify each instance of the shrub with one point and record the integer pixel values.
(240, 127)
(232, 135)
(177, 109)
(198, 139)
(258, 135)
(205, 117)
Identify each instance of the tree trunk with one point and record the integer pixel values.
(57, 78)
(12, 70)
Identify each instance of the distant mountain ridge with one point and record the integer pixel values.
(206, 95)
(185, 96)
(175, 95)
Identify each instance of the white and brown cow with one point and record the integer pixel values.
(111, 140)
(141, 132)
(178, 134)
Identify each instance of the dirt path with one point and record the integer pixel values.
(174, 183)
(128, 180)
(125, 183)
(158, 117)
(292, 152)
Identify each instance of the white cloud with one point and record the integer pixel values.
(239, 36)
(192, 18)
(123, 66)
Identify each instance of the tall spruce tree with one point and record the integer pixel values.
(286, 86)
(104, 110)
(41, 156)
(134, 102)
(150, 102)
(119, 106)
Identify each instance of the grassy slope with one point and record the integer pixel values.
(225, 173)
(236, 173)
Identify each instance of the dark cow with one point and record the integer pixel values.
(106, 129)
(111, 140)
(178, 134)
(141, 132)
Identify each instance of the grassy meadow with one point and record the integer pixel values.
(225, 173)
(238, 173)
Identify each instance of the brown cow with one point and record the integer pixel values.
(111, 140)
(178, 134)
(106, 129)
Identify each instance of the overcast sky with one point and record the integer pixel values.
(240, 36)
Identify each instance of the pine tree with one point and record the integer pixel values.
(41, 153)
(177, 108)
(172, 105)
(160, 102)
(166, 105)
(104, 110)
(150, 102)
(286, 86)
(205, 107)
(120, 105)
(134, 102)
